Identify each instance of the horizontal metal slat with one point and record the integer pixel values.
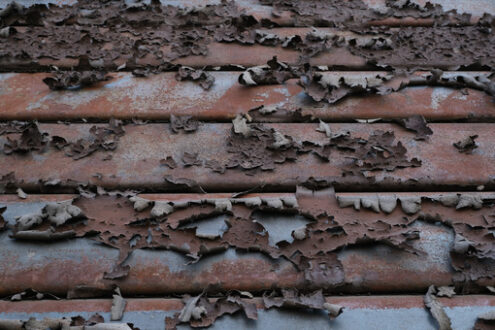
(136, 161)
(24, 96)
(383, 312)
(61, 266)
(253, 7)
(225, 54)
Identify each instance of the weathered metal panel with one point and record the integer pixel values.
(136, 161)
(61, 266)
(379, 312)
(225, 54)
(253, 7)
(24, 96)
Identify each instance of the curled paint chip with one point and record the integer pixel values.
(445, 291)
(448, 199)
(241, 126)
(299, 233)
(223, 205)
(118, 306)
(249, 201)
(60, 213)
(333, 309)
(436, 309)
(274, 203)
(74, 79)
(140, 203)
(280, 140)
(161, 208)
(346, 201)
(43, 235)
(468, 200)
(324, 128)
(410, 204)
(290, 201)
(27, 221)
(21, 194)
(467, 145)
(387, 203)
(371, 202)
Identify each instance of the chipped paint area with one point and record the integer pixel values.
(16, 209)
(280, 227)
(31, 254)
(477, 7)
(44, 2)
(463, 318)
(150, 320)
(436, 243)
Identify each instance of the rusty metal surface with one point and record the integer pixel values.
(374, 266)
(24, 96)
(253, 7)
(378, 312)
(61, 266)
(224, 54)
(135, 163)
(220, 54)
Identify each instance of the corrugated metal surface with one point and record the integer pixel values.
(23, 96)
(378, 281)
(366, 268)
(380, 312)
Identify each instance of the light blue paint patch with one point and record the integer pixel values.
(438, 95)
(28, 3)
(280, 227)
(5, 76)
(209, 227)
(223, 81)
(30, 255)
(352, 319)
(462, 318)
(18, 209)
(124, 81)
(177, 262)
(152, 320)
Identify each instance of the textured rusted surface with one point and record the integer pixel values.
(136, 161)
(253, 7)
(62, 266)
(171, 304)
(219, 54)
(24, 96)
(224, 54)
(379, 312)
(362, 240)
(86, 35)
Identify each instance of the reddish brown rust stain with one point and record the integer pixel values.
(170, 304)
(252, 274)
(388, 276)
(25, 97)
(135, 162)
(379, 274)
